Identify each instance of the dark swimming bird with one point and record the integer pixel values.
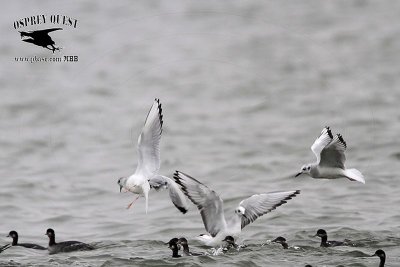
(382, 256)
(281, 240)
(4, 247)
(184, 243)
(173, 245)
(324, 240)
(66, 246)
(14, 236)
(230, 241)
(41, 38)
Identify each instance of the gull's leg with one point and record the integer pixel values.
(130, 204)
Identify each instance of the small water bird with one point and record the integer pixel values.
(184, 243)
(66, 246)
(14, 236)
(324, 240)
(146, 175)
(382, 256)
(329, 151)
(230, 243)
(173, 245)
(281, 240)
(210, 205)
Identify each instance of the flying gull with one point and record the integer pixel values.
(146, 175)
(329, 151)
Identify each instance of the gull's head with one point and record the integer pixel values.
(304, 169)
(321, 233)
(13, 234)
(121, 182)
(240, 211)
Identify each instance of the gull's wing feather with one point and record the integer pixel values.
(207, 201)
(333, 154)
(321, 142)
(149, 142)
(260, 204)
(177, 197)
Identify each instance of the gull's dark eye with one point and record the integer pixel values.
(304, 169)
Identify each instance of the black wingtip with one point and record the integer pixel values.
(284, 201)
(182, 209)
(297, 192)
(160, 115)
(178, 180)
(328, 130)
(340, 137)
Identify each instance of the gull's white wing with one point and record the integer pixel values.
(149, 142)
(177, 197)
(321, 142)
(260, 204)
(333, 154)
(207, 201)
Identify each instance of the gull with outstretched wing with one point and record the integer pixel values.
(211, 209)
(146, 175)
(329, 151)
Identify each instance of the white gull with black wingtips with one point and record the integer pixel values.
(146, 175)
(211, 208)
(329, 151)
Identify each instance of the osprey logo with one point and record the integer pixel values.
(38, 29)
(40, 38)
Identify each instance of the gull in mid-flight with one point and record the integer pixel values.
(211, 209)
(329, 151)
(146, 175)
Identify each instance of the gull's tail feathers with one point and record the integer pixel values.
(146, 189)
(354, 175)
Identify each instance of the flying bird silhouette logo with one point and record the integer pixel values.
(40, 38)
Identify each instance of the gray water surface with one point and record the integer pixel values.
(246, 87)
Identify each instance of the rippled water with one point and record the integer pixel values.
(246, 88)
